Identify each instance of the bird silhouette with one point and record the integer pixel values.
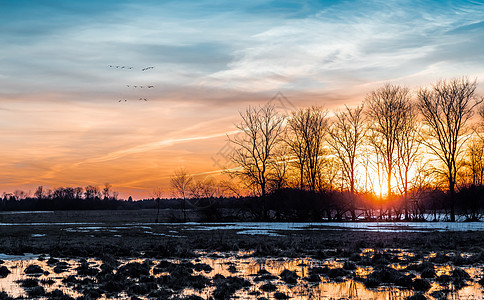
(120, 67)
(147, 68)
(143, 99)
(150, 86)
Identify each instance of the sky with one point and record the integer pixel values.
(62, 122)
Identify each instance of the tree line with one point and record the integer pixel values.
(397, 144)
(62, 198)
(399, 155)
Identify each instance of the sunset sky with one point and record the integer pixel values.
(61, 121)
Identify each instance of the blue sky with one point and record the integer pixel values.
(59, 110)
(220, 46)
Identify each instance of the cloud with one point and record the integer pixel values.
(351, 43)
(150, 147)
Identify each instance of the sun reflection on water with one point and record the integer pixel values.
(242, 265)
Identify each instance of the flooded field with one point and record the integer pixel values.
(369, 274)
(248, 228)
(123, 255)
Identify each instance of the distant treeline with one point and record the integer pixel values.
(398, 145)
(400, 155)
(287, 204)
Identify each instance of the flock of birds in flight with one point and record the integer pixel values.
(126, 100)
(134, 86)
(129, 68)
(141, 86)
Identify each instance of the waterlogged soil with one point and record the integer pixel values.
(123, 255)
(369, 274)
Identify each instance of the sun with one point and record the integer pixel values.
(374, 181)
(378, 190)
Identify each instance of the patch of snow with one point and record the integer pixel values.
(271, 228)
(25, 256)
(47, 224)
(26, 212)
(259, 232)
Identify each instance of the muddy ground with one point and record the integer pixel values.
(125, 255)
(129, 233)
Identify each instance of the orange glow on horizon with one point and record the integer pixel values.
(135, 148)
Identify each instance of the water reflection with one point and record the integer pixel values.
(263, 274)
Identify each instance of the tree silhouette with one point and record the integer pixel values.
(260, 134)
(157, 194)
(386, 113)
(39, 193)
(446, 107)
(107, 191)
(308, 128)
(92, 192)
(181, 183)
(475, 160)
(347, 134)
(408, 146)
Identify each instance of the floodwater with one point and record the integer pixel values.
(271, 228)
(263, 274)
(254, 228)
(279, 228)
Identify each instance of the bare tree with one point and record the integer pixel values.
(330, 168)
(39, 193)
(347, 134)
(260, 134)
(229, 188)
(308, 128)
(181, 183)
(204, 188)
(280, 168)
(446, 107)
(78, 192)
(19, 194)
(475, 160)
(298, 125)
(408, 145)
(91, 192)
(376, 164)
(316, 137)
(107, 190)
(157, 194)
(386, 112)
(480, 111)
(475, 150)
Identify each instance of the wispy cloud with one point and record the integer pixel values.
(355, 42)
(150, 147)
(60, 119)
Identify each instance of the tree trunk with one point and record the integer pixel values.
(405, 197)
(352, 203)
(452, 199)
(184, 211)
(158, 210)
